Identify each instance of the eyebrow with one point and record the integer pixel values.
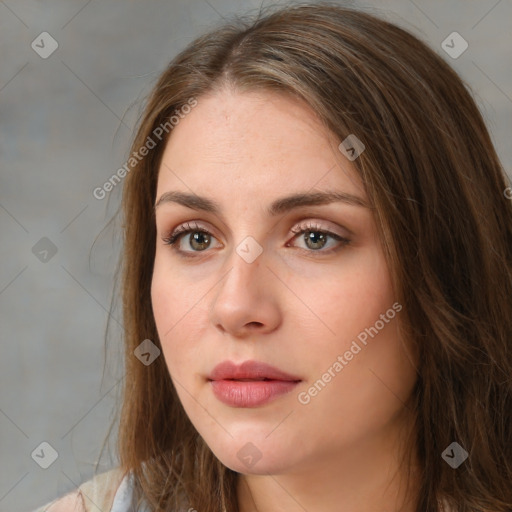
(278, 207)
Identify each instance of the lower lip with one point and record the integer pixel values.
(250, 393)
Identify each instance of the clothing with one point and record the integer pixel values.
(112, 491)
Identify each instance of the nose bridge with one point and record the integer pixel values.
(248, 254)
(246, 294)
(247, 266)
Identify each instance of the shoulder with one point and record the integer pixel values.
(72, 502)
(99, 491)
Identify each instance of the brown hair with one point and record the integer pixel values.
(437, 189)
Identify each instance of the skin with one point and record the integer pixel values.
(297, 307)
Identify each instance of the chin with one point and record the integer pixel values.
(261, 467)
(255, 458)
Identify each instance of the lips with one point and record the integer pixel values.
(251, 384)
(250, 371)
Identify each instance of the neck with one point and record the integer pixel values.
(362, 478)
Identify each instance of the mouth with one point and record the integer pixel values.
(252, 380)
(250, 371)
(246, 393)
(251, 384)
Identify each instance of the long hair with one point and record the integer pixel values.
(437, 187)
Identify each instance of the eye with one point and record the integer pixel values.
(199, 242)
(314, 237)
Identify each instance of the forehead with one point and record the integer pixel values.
(257, 144)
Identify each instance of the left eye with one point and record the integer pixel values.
(314, 238)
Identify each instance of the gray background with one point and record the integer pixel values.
(66, 123)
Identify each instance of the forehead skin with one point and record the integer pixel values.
(266, 143)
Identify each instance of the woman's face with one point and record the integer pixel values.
(298, 284)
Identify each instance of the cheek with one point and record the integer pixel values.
(171, 296)
(162, 296)
(177, 309)
(169, 306)
(361, 315)
(355, 297)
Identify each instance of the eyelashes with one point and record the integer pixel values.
(312, 228)
(174, 238)
(182, 230)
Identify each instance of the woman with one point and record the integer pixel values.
(317, 280)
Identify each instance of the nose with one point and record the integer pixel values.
(246, 301)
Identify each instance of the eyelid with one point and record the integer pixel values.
(173, 238)
(311, 223)
(185, 228)
(314, 224)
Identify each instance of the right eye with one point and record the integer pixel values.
(200, 241)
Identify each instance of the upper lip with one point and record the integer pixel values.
(249, 370)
